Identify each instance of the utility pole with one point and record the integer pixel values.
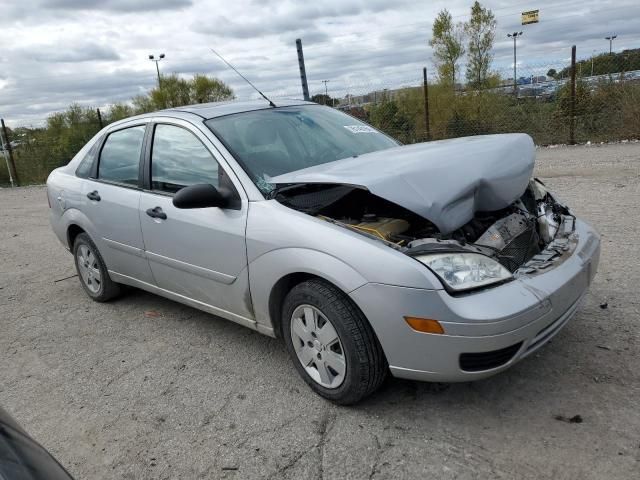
(611, 38)
(514, 35)
(303, 71)
(425, 86)
(326, 92)
(6, 159)
(572, 104)
(156, 60)
(11, 164)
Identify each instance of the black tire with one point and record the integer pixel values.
(366, 365)
(108, 289)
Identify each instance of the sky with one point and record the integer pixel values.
(95, 53)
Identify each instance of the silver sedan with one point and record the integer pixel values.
(441, 261)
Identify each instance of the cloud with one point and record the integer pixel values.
(117, 5)
(88, 52)
(95, 52)
(289, 17)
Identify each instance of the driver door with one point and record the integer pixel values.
(199, 254)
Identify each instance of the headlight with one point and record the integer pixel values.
(464, 271)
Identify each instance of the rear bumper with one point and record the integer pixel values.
(485, 332)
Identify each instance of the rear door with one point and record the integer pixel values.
(112, 197)
(199, 253)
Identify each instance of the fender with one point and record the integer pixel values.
(266, 270)
(73, 216)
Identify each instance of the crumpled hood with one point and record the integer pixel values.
(445, 182)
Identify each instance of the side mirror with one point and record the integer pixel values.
(202, 195)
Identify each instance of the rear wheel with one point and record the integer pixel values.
(331, 343)
(92, 271)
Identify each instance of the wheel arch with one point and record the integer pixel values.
(274, 274)
(73, 230)
(280, 291)
(72, 223)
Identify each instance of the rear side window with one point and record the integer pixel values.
(120, 156)
(86, 165)
(179, 159)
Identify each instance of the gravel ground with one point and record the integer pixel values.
(146, 388)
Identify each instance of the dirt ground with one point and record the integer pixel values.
(145, 388)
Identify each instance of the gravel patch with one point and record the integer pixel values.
(144, 388)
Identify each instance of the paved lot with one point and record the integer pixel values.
(146, 388)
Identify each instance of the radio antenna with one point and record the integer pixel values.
(244, 78)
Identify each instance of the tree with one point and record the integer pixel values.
(389, 116)
(323, 99)
(447, 42)
(176, 92)
(119, 111)
(481, 30)
(205, 89)
(552, 73)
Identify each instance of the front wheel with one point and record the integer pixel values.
(331, 343)
(92, 271)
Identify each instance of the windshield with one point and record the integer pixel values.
(276, 141)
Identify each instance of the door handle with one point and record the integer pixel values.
(93, 196)
(157, 213)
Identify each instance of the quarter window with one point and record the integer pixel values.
(120, 156)
(179, 159)
(86, 165)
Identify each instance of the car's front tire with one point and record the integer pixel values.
(331, 343)
(92, 271)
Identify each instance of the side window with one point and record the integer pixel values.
(120, 156)
(179, 159)
(86, 165)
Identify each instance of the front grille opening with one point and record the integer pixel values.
(479, 361)
(520, 250)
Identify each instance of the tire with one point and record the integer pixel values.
(92, 272)
(365, 366)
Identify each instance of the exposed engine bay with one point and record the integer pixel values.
(526, 235)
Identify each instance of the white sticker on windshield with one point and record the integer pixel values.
(360, 129)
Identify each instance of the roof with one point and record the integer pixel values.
(218, 109)
(213, 110)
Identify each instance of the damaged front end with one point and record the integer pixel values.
(528, 236)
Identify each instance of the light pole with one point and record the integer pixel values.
(593, 54)
(514, 35)
(611, 39)
(326, 91)
(154, 59)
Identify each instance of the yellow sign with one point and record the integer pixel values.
(532, 16)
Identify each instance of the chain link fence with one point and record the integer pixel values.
(592, 100)
(600, 103)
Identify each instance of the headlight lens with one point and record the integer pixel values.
(463, 271)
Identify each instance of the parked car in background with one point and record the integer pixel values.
(442, 261)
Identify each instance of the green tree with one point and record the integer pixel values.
(391, 117)
(552, 73)
(447, 42)
(119, 111)
(176, 92)
(204, 89)
(481, 30)
(323, 99)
